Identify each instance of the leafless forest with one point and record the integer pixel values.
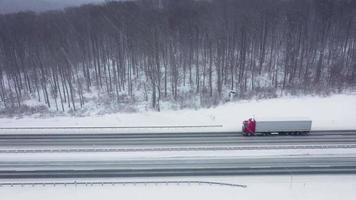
(177, 51)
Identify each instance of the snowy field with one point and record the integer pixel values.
(298, 187)
(333, 112)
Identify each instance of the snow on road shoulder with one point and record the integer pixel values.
(333, 112)
(306, 187)
(183, 155)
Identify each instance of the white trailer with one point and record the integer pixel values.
(276, 125)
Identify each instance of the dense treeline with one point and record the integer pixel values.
(154, 50)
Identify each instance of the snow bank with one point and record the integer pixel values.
(311, 187)
(333, 112)
(184, 155)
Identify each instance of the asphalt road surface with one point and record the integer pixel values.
(182, 166)
(177, 167)
(173, 139)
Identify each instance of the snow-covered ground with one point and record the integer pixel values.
(333, 112)
(293, 187)
(186, 155)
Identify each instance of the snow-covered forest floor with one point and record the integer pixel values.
(332, 112)
(132, 56)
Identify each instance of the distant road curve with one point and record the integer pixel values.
(103, 183)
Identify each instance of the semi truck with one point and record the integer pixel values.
(283, 126)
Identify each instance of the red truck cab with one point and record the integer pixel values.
(249, 126)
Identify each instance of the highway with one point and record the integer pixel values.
(51, 155)
(171, 139)
(177, 167)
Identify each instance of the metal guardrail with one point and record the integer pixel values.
(108, 127)
(346, 130)
(95, 183)
(272, 147)
(151, 127)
